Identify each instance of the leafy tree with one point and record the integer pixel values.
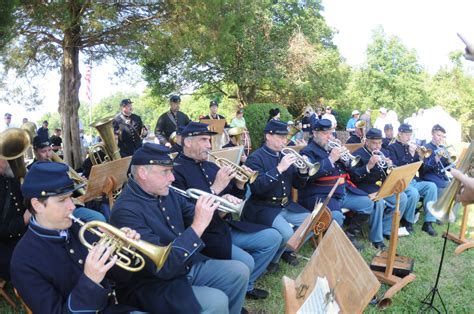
(392, 76)
(248, 50)
(49, 35)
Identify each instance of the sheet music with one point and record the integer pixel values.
(314, 213)
(321, 300)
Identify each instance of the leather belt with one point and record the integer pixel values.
(283, 201)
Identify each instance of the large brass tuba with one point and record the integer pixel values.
(123, 247)
(242, 175)
(13, 144)
(442, 208)
(108, 146)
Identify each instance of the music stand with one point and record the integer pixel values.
(353, 147)
(300, 235)
(232, 153)
(464, 244)
(106, 178)
(396, 182)
(346, 271)
(215, 125)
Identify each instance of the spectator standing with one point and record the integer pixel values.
(239, 120)
(43, 132)
(350, 127)
(328, 115)
(382, 119)
(7, 118)
(366, 117)
(56, 140)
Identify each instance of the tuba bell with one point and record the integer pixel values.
(123, 247)
(13, 144)
(237, 132)
(442, 208)
(108, 147)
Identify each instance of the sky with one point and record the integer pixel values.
(429, 27)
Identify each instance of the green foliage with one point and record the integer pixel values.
(391, 78)
(54, 121)
(256, 116)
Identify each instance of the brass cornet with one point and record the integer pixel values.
(301, 162)
(123, 247)
(242, 175)
(346, 156)
(224, 205)
(422, 151)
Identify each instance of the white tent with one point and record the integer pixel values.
(425, 120)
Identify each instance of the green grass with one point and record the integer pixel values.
(456, 284)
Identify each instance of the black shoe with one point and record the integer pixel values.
(378, 245)
(257, 294)
(438, 222)
(290, 258)
(273, 268)
(244, 311)
(428, 228)
(359, 246)
(387, 237)
(409, 227)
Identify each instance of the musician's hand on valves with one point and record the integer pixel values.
(223, 178)
(97, 263)
(372, 161)
(466, 194)
(335, 154)
(286, 162)
(234, 200)
(203, 212)
(130, 233)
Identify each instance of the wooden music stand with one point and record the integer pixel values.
(353, 147)
(106, 178)
(337, 260)
(215, 125)
(231, 153)
(464, 244)
(396, 182)
(299, 236)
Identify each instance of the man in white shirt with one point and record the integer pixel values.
(381, 120)
(328, 115)
(7, 124)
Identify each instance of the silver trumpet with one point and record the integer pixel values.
(224, 205)
(301, 162)
(346, 156)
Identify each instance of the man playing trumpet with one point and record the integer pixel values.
(51, 269)
(251, 243)
(270, 203)
(403, 152)
(188, 282)
(347, 195)
(369, 175)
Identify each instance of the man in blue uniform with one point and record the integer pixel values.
(433, 169)
(270, 203)
(189, 282)
(388, 130)
(129, 128)
(346, 195)
(51, 269)
(13, 216)
(169, 121)
(253, 244)
(369, 175)
(402, 153)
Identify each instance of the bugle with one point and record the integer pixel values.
(301, 162)
(242, 175)
(224, 205)
(346, 156)
(123, 247)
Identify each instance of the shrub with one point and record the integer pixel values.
(256, 116)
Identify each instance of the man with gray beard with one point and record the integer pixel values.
(13, 216)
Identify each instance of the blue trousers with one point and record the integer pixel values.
(381, 219)
(219, 285)
(429, 192)
(87, 214)
(282, 225)
(256, 250)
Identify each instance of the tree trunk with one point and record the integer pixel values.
(69, 92)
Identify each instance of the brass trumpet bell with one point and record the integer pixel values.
(123, 247)
(242, 175)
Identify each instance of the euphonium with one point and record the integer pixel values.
(360, 124)
(72, 173)
(292, 130)
(242, 175)
(123, 247)
(345, 155)
(224, 205)
(237, 132)
(442, 208)
(109, 145)
(13, 144)
(301, 162)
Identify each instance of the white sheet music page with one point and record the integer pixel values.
(321, 300)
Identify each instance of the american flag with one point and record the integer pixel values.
(88, 83)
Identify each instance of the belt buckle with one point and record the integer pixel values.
(284, 201)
